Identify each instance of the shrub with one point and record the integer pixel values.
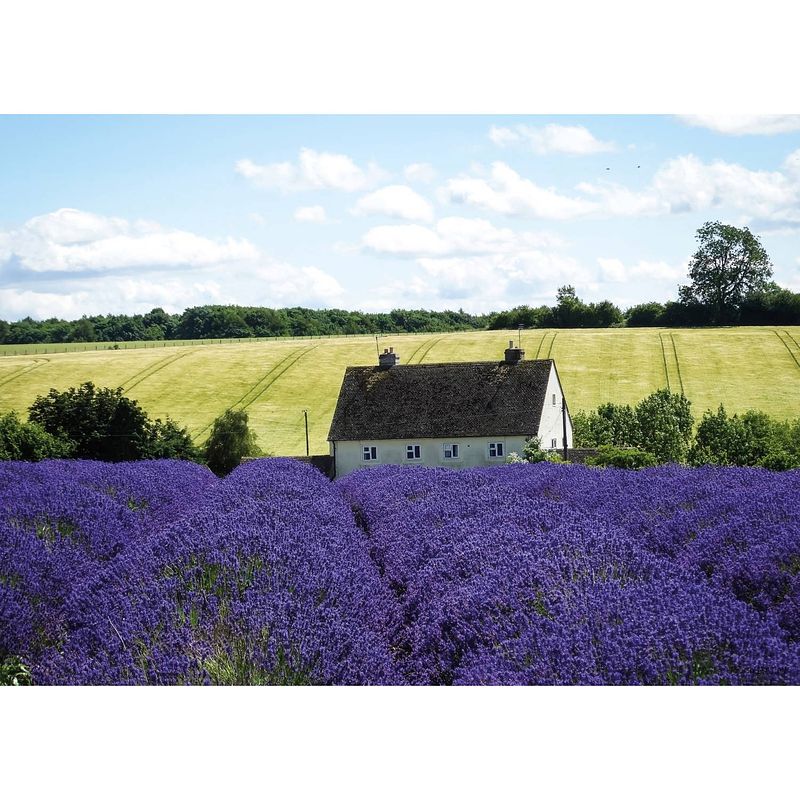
(622, 458)
(21, 441)
(230, 441)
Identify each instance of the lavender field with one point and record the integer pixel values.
(160, 573)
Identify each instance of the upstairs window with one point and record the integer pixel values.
(413, 452)
(554, 443)
(496, 450)
(554, 399)
(370, 453)
(450, 451)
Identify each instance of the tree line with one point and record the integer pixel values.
(729, 284)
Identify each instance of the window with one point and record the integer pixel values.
(554, 443)
(554, 399)
(370, 453)
(450, 451)
(496, 450)
(413, 452)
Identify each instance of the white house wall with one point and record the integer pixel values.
(551, 425)
(473, 452)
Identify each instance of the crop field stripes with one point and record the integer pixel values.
(672, 366)
(148, 372)
(264, 383)
(550, 346)
(791, 345)
(39, 362)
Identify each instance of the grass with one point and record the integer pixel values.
(275, 380)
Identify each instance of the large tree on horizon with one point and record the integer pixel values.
(729, 264)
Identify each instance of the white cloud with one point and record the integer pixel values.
(311, 214)
(69, 240)
(569, 139)
(506, 192)
(484, 283)
(420, 173)
(313, 170)
(73, 262)
(396, 201)
(453, 235)
(614, 270)
(743, 124)
(682, 184)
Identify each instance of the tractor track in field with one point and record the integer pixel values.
(669, 356)
(148, 372)
(788, 346)
(550, 347)
(428, 347)
(264, 383)
(40, 362)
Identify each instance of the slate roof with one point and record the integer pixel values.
(420, 401)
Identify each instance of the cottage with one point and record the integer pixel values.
(457, 415)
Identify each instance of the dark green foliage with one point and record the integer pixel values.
(13, 672)
(752, 439)
(230, 441)
(622, 458)
(104, 425)
(168, 440)
(27, 441)
(645, 315)
(82, 331)
(533, 451)
(664, 425)
(729, 264)
(660, 424)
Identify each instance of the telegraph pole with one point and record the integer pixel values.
(564, 422)
(305, 414)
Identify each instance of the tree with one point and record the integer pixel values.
(664, 421)
(729, 264)
(104, 425)
(27, 441)
(230, 441)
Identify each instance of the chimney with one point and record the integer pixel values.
(388, 358)
(514, 354)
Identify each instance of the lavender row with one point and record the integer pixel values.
(551, 574)
(261, 578)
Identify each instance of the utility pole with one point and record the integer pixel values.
(305, 414)
(564, 423)
(519, 337)
(377, 346)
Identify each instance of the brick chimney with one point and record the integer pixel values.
(388, 358)
(514, 354)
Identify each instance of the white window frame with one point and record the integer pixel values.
(369, 452)
(554, 444)
(499, 450)
(554, 399)
(416, 452)
(454, 449)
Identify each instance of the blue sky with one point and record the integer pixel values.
(124, 213)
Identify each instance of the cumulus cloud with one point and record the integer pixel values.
(614, 270)
(682, 184)
(453, 235)
(570, 139)
(74, 262)
(313, 170)
(395, 201)
(311, 214)
(507, 192)
(745, 124)
(420, 173)
(484, 283)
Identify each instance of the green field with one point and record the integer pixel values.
(276, 380)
